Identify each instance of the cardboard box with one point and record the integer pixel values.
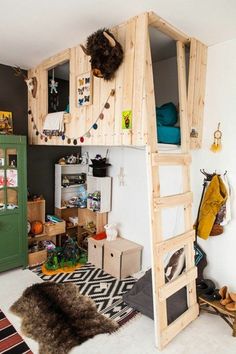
(95, 252)
(122, 257)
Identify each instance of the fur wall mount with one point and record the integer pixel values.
(59, 317)
(106, 53)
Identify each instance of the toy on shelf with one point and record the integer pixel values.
(94, 201)
(67, 256)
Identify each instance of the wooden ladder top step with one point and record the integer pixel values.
(173, 200)
(170, 159)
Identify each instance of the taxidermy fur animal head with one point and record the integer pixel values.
(105, 52)
(31, 83)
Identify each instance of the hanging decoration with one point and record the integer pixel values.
(77, 139)
(53, 84)
(31, 83)
(216, 146)
(53, 97)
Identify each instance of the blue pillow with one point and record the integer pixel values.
(166, 114)
(168, 135)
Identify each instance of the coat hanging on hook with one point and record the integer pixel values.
(216, 146)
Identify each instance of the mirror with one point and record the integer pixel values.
(58, 88)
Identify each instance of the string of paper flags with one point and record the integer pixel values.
(64, 136)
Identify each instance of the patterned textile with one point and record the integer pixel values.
(10, 341)
(103, 288)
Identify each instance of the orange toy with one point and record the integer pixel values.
(36, 227)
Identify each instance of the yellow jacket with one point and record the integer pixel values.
(215, 196)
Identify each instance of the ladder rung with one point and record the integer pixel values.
(173, 286)
(173, 200)
(180, 323)
(170, 159)
(173, 242)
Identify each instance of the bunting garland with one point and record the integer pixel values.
(64, 136)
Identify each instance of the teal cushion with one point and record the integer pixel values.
(168, 135)
(166, 114)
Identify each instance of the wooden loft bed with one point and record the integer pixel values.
(134, 90)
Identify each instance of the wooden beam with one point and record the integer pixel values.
(182, 85)
(173, 200)
(196, 90)
(57, 59)
(174, 242)
(175, 285)
(165, 27)
(178, 325)
(170, 159)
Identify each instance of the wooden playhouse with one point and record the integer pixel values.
(135, 92)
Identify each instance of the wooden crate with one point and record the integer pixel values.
(99, 219)
(36, 258)
(95, 252)
(122, 257)
(36, 210)
(53, 229)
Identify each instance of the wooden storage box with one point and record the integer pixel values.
(36, 258)
(52, 229)
(95, 252)
(36, 210)
(122, 257)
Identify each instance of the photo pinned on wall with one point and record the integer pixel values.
(12, 161)
(84, 89)
(2, 161)
(6, 126)
(127, 119)
(12, 178)
(2, 179)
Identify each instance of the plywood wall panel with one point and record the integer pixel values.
(139, 73)
(128, 76)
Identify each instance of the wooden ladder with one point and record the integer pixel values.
(164, 332)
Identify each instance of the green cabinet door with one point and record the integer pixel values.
(13, 199)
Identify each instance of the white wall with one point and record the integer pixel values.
(130, 205)
(220, 106)
(129, 202)
(166, 81)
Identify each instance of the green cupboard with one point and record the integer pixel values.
(13, 202)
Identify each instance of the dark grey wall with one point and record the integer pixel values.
(41, 159)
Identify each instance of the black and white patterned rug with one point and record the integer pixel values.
(103, 288)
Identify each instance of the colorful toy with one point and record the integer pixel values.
(36, 227)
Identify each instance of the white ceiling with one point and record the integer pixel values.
(33, 30)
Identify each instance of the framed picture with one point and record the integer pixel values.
(6, 126)
(127, 120)
(84, 89)
(12, 160)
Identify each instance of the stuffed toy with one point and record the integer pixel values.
(106, 53)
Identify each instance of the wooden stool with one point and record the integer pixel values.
(218, 309)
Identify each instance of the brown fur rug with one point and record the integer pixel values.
(59, 317)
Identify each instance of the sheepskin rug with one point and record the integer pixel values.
(58, 317)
